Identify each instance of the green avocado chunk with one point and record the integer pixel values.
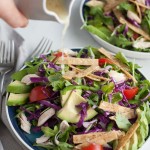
(65, 97)
(18, 87)
(17, 99)
(70, 112)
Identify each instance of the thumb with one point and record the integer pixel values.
(10, 13)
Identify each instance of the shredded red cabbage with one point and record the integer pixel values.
(86, 94)
(83, 113)
(147, 2)
(49, 104)
(38, 79)
(41, 71)
(52, 65)
(134, 22)
(125, 30)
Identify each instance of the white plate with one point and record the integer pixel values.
(115, 49)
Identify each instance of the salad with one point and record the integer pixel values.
(123, 23)
(86, 99)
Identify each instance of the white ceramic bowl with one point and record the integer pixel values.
(115, 49)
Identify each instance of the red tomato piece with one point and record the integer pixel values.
(57, 55)
(135, 36)
(130, 93)
(93, 147)
(39, 93)
(103, 61)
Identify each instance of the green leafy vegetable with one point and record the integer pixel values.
(122, 122)
(108, 88)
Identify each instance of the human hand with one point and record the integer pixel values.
(10, 14)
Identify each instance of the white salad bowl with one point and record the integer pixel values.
(110, 47)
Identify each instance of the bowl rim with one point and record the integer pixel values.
(110, 47)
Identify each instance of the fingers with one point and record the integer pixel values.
(10, 13)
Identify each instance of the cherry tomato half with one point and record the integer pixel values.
(103, 61)
(93, 147)
(58, 54)
(130, 93)
(39, 93)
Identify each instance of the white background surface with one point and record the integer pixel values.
(74, 38)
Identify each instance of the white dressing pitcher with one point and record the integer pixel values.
(54, 10)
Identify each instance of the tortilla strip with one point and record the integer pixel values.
(111, 4)
(90, 76)
(69, 75)
(122, 20)
(106, 106)
(140, 4)
(123, 67)
(128, 115)
(139, 11)
(87, 71)
(122, 142)
(82, 138)
(100, 139)
(78, 61)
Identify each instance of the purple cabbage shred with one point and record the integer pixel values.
(83, 113)
(52, 65)
(38, 79)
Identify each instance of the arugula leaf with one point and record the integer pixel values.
(127, 6)
(116, 97)
(55, 77)
(122, 58)
(120, 41)
(145, 84)
(107, 89)
(101, 32)
(96, 10)
(50, 132)
(19, 75)
(58, 85)
(93, 99)
(65, 135)
(146, 21)
(122, 122)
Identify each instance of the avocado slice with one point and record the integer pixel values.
(17, 99)
(70, 112)
(65, 97)
(18, 87)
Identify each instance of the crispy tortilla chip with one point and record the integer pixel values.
(99, 139)
(90, 76)
(69, 75)
(106, 106)
(78, 61)
(122, 142)
(140, 4)
(87, 71)
(128, 115)
(139, 11)
(123, 67)
(111, 4)
(122, 20)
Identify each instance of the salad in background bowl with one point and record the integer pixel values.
(119, 25)
(79, 99)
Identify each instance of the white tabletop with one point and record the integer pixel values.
(74, 37)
